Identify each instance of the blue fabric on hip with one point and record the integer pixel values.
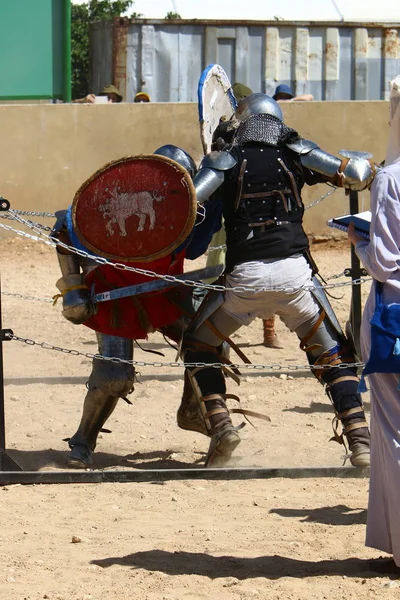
(385, 338)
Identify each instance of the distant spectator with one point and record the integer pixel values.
(89, 99)
(284, 93)
(110, 91)
(141, 97)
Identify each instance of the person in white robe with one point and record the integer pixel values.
(381, 258)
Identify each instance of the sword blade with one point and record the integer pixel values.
(158, 284)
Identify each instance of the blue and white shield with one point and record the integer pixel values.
(216, 101)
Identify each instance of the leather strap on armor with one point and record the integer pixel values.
(240, 184)
(228, 340)
(339, 178)
(267, 194)
(56, 297)
(340, 417)
(292, 181)
(306, 338)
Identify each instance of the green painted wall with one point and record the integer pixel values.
(34, 49)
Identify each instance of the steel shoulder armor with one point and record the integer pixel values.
(355, 171)
(211, 173)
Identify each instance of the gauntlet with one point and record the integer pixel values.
(77, 304)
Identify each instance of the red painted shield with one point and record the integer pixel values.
(135, 209)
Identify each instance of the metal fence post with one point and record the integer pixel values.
(356, 271)
(6, 462)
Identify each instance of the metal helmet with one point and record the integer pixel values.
(258, 104)
(180, 156)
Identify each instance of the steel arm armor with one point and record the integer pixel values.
(355, 171)
(211, 174)
(77, 304)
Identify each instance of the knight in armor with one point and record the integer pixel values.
(222, 138)
(122, 321)
(259, 177)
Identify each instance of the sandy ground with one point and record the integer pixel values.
(278, 538)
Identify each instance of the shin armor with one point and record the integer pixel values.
(203, 406)
(326, 348)
(107, 383)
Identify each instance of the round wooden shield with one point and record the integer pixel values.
(135, 209)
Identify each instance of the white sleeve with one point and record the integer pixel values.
(381, 256)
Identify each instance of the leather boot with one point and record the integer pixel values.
(189, 416)
(271, 340)
(359, 446)
(357, 435)
(224, 436)
(358, 438)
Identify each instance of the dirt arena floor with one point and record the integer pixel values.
(289, 539)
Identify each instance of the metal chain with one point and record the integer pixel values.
(337, 276)
(51, 301)
(16, 295)
(159, 364)
(31, 223)
(170, 278)
(213, 248)
(320, 199)
(31, 213)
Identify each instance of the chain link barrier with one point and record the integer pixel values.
(312, 204)
(31, 223)
(23, 297)
(170, 278)
(51, 301)
(31, 213)
(159, 364)
(48, 240)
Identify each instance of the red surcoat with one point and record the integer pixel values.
(136, 316)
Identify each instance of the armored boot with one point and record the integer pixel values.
(224, 436)
(97, 408)
(210, 416)
(329, 350)
(355, 428)
(205, 386)
(350, 412)
(189, 416)
(271, 340)
(217, 421)
(108, 382)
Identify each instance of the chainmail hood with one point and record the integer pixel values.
(265, 129)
